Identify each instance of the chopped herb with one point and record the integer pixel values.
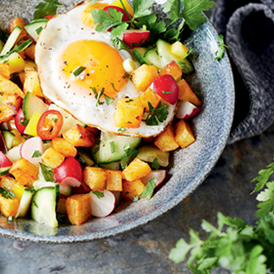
(96, 150)
(6, 193)
(63, 219)
(78, 71)
(127, 76)
(99, 194)
(189, 52)
(156, 115)
(119, 44)
(121, 129)
(166, 92)
(112, 84)
(221, 51)
(108, 100)
(112, 147)
(38, 30)
(36, 154)
(98, 97)
(55, 120)
(149, 189)
(135, 198)
(47, 8)
(128, 156)
(10, 219)
(155, 164)
(35, 203)
(47, 172)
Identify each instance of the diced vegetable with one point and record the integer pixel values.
(35, 27)
(31, 83)
(52, 158)
(94, 177)
(183, 134)
(15, 61)
(64, 147)
(132, 189)
(172, 69)
(5, 70)
(149, 96)
(11, 40)
(8, 182)
(7, 112)
(13, 99)
(24, 203)
(8, 207)
(7, 86)
(135, 38)
(186, 110)
(160, 176)
(178, 49)
(114, 180)
(19, 119)
(31, 128)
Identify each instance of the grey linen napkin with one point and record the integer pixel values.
(248, 28)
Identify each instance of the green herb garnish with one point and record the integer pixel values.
(78, 71)
(108, 100)
(45, 9)
(155, 164)
(38, 30)
(221, 51)
(10, 219)
(99, 194)
(129, 155)
(112, 147)
(36, 154)
(6, 193)
(149, 189)
(135, 198)
(122, 129)
(157, 115)
(47, 172)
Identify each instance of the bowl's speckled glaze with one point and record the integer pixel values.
(189, 167)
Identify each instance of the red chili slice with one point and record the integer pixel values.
(48, 128)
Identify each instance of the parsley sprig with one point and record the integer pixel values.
(222, 46)
(156, 115)
(6, 193)
(45, 9)
(235, 245)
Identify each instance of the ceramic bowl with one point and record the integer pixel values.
(189, 167)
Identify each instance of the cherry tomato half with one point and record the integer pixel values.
(48, 16)
(49, 127)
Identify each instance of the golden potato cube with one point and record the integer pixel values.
(114, 180)
(166, 140)
(15, 62)
(183, 134)
(132, 189)
(24, 171)
(79, 136)
(20, 23)
(86, 16)
(8, 183)
(31, 83)
(12, 98)
(150, 96)
(8, 207)
(143, 76)
(7, 86)
(22, 77)
(172, 69)
(30, 52)
(18, 139)
(64, 147)
(94, 177)
(128, 113)
(7, 112)
(78, 208)
(186, 93)
(5, 70)
(136, 170)
(52, 158)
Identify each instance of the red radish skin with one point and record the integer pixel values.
(70, 168)
(166, 87)
(137, 37)
(4, 160)
(83, 188)
(186, 110)
(20, 118)
(102, 207)
(159, 174)
(29, 147)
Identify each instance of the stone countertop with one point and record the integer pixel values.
(145, 249)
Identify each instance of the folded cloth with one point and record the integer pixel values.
(248, 28)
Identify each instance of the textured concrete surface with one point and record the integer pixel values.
(145, 249)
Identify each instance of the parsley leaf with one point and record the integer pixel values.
(149, 189)
(47, 172)
(47, 8)
(6, 193)
(135, 198)
(108, 100)
(157, 115)
(155, 164)
(99, 194)
(266, 197)
(98, 96)
(118, 31)
(128, 156)
(63, 219)
(36, 154)
(221, 51)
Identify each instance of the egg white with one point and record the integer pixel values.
(58, 34)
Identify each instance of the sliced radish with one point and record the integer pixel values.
(4, 160)
(70, 181)
(159, 174)
(135, 38)
(31, 149)
(186, 110)
(102, 207)
(83, 188)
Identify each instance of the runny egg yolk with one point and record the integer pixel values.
(102, 64)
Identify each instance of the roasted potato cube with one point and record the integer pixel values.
(114, 180)
(136, 170)
(24, 171)
(7, 112)
(86, 16)
(131, 189)
(12, 98)
(31, 83)
(183, 134)
(172, 69)
(166, 140)
(128, 113)
(78, 208)
(64, 147)
(7, 86)
(8, 182)
(15, 62)
(5, 70)
(8, 207)
(52, 158)
(94, 177)
(79, 136)
(186, 93)
(30, 52)
(150, 96)
(143, 76)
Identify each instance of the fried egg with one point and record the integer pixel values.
(75, 63)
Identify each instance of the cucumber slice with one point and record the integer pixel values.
(111, 147)
(11, 40)
(166, 57)
(43, 205)
(14, 153)
(1, 45)
(111, 166)
(65, 190)
(85, 159)
(139, 53)
(4, 170)
(151, 57)
(24, 203)
(34, 28)
(8, 138)
(32, 104)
